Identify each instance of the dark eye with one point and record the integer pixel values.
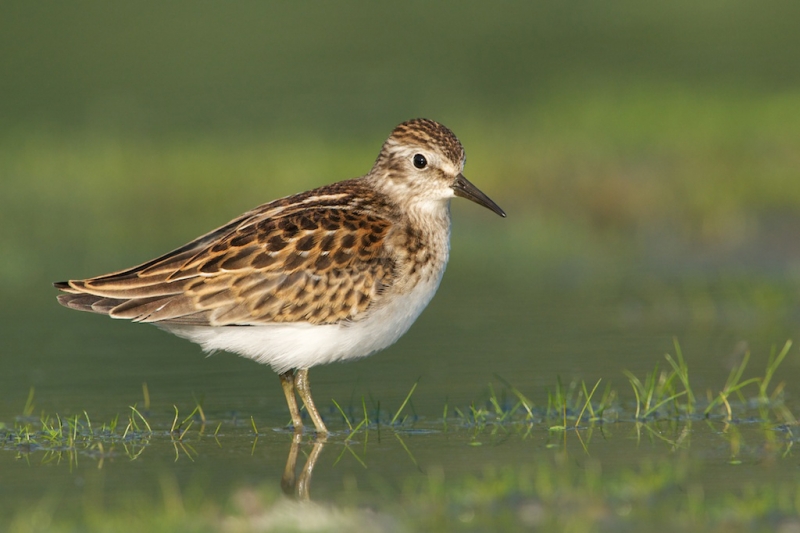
(420, 161)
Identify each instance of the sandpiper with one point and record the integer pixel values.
(332, 274)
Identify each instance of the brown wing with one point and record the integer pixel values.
(300, 259)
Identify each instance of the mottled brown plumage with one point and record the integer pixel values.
(330, 274)
(319, 258)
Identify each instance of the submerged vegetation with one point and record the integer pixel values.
(664, 394)
(552, 490)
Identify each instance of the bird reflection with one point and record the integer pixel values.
(291, 484)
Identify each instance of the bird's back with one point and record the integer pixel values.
(319, 257)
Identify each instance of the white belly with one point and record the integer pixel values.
(285, 346)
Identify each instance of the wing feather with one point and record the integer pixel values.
(320, 257)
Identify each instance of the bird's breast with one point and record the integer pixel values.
(420, 252)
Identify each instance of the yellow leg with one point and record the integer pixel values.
(287, 382)
(304, 390)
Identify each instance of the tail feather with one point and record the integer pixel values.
(89, 302)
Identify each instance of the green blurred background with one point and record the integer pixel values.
(653, 135)
(647, 155)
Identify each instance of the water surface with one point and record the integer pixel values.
(484, 322)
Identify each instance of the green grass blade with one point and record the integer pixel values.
(403, 405)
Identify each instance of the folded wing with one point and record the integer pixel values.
(321, 262)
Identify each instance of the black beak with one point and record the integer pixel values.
(465, 189)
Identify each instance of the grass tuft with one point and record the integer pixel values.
(661, 395)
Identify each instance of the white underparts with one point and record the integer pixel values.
(285, 346)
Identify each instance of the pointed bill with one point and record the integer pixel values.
(465, 189)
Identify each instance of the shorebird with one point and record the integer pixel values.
(332, 274)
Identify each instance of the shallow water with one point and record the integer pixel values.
(650, 179)
(529, 332)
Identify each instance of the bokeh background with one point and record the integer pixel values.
(648, 156)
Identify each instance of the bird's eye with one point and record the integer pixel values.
(420, 162)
